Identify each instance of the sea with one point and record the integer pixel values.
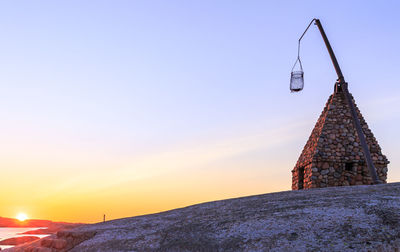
(6, 233)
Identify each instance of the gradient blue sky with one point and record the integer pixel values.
(169, 103)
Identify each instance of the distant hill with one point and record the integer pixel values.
(348, 218)
(11, 222)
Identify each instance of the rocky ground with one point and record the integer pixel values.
(18, 240)
(349, 218)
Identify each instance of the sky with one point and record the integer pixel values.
(126, 108)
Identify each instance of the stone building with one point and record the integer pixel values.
(333, 155)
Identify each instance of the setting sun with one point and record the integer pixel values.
(22, 216)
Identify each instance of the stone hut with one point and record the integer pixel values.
(332, 155)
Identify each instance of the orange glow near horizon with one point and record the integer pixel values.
(152, 182)
(157, 181)
(21, 217)
(194, 172)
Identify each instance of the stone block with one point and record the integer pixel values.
(59, 243)
(46, 242)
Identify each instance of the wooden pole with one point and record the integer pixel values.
(341, 85)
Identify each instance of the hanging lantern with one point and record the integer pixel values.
(297, 78)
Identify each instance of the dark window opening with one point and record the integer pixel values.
(301, 178)
(349, 166)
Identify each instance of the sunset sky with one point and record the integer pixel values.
(132, 107)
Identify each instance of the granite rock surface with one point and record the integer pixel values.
(347, 218)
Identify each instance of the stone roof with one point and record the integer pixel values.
(334, 137)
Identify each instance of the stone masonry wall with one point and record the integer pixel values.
(332, 155)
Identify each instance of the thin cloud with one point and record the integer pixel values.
(192, 157)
